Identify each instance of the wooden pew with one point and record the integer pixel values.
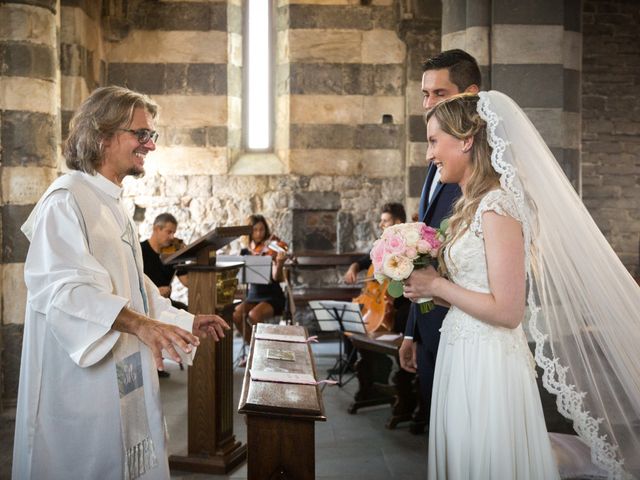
(308, 275)
(373, 370)
(280, 416)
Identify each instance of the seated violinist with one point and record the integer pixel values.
(263, 300)
(163, 241)
(390, 214)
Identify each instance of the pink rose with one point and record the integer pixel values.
(427, 233)
(411, 253)
(395, 244)
(430, 235)
(377, 255)
(423, 246)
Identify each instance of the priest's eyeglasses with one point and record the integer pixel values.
(142, 134)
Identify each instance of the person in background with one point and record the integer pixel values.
(390, 214)
(162, 237)
(263, 301)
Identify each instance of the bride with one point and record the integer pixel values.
(521, 249)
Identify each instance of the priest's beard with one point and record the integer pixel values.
(136, 172)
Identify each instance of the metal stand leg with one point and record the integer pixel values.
(339, 369)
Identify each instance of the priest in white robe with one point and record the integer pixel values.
(96, 326)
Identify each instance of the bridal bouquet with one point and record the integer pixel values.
(400, 250)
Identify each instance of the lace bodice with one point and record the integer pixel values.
(465, 259)
(467, 266)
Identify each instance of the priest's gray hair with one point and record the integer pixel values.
(98, 118)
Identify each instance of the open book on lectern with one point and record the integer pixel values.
(333, 315)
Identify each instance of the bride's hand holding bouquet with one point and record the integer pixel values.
(402, 249)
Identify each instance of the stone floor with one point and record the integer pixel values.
(347, 446)
(7, 422)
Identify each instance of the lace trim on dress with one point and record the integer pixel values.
(554, 379)
(495, 201)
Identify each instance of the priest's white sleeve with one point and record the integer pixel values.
(160, 309)
(67, 285)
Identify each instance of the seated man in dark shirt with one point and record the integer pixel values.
(164, 230)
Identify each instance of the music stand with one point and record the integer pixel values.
(344, 317)
(255, 269)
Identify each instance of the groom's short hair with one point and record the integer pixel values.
(463, 68)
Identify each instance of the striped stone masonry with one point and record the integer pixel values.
(82, 63)
(182, 58)
(422, 36)
(233, 135)
(29, 142)
(530, 51)
(346, 71)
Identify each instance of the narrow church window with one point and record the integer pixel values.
(258, 76)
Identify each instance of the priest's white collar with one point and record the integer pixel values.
(107, 186)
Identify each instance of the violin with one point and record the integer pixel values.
(175, 245)
(271, 246)
(377, 305)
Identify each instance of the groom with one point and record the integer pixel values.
(446, 74)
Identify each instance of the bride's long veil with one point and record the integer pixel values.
(584, 305)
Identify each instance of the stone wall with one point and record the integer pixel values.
(532, 52)
(82, 65)
(341, 68)
(419, 28)
(346, 69)
(611, 125)
(178, 55)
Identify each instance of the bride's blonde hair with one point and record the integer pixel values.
(458, 117)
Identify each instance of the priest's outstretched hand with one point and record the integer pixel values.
(158, 335)
(209, 326)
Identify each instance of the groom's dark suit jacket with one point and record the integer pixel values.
(425, 328)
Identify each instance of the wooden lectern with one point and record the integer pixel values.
(280, 416)
(212, 447)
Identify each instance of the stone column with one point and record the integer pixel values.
(420, 29)
(532, 51)
(235, 36)
(82, 65)
(30, 137)
(344, 102)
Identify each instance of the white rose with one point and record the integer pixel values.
(380, 277)
(412, 236)
(391, 230)
(397, 267)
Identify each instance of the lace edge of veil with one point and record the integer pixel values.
(568, 401)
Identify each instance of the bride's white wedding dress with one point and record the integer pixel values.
(486, 415)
